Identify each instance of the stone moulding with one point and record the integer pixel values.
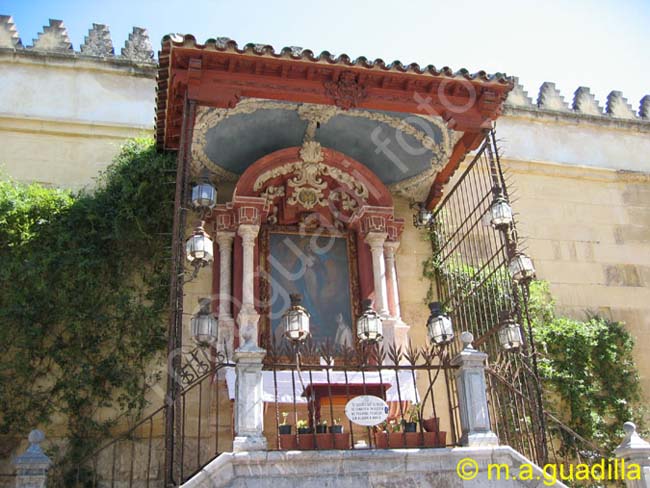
(8, 33)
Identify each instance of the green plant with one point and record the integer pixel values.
(83, 297)
(302, 424)
(337, 421)
(285, 416)
(413, 413)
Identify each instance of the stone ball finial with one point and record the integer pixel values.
(467, 338)
(36, 436)
(629, 427)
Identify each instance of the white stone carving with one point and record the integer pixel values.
(249, 405)
(248, 317)
(390, 248)
(550, 99)
(376, 242)
(32, 466)
(644, 108)
(138, 47)
(98, 42)
(617, 106)
(8, 33)
(585, 102)
(53, 38)
(518, 97)
(635, 450)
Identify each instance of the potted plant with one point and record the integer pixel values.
(336, 427)
(321, 427)
(412, 418)
(305, 435)
(341, 440)
(284, 427)
(431, 424)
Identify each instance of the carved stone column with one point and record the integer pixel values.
(248, 317)
(249, 407)
(225, 318)
(376, 242)
(390, 248)
(32, 465)
(472, 396)
(635, 451)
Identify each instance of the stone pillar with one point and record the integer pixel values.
(376, 242)
(390, 248)
(33, 464)
(248, 317)
(634, 451)
(472, 396)
(249, 406)
(225, 318)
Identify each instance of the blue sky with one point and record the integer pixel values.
(602, 44)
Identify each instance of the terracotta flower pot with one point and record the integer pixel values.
(306, 442)
(429, 439)
(341, 441)
(413, 439)
(431, 425)
(396, 440)
(381, 440)
(324, 441)
(442, 439)
(287, 441)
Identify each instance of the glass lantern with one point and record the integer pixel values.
(204, 195)
(521, 267)
(204, 324)
(295, 321)
(500, 211)
(510, 336)
(369, 327)
(422, 217)
(199, 247)
(439, 326)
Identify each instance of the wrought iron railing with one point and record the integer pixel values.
(308, 387)
(136, 458)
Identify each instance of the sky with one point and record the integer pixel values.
(601, 44)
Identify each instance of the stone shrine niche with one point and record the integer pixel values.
(283, 206)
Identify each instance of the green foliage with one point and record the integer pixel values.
(587, 366)
(83, 296)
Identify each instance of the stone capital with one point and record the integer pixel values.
(391, 247)
(224, 239)
(376, 240)
(248, 232)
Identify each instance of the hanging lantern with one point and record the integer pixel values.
(204, 324)
(521, 267)
(199, 247)
(369, 327)
(439, 326)
(422, 217)
(204, 195)
(295, 321)
(510, 336)
(500, 211)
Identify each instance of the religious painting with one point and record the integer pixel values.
(317, 267)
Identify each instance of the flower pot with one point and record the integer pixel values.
(284, 429)
(410, 427)
(431, 425)
(336, 429)
(324, 441)
(396, 440)
(287, 441)
(305, 430)
(429, 439)
(381, 440)
(306, 441)
(413, 439)
(442, 439)
(321, 428)
(341, 441)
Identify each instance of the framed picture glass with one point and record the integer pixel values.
(322, 269)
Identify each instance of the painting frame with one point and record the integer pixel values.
(265, 292)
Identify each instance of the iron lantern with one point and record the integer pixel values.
(204, 324)
(204, 195)
(369, 326)
(199, 247)
(423, 216)
(500, 211)
(439, 325)
(510, 336)
(295, 321)
(521, 267)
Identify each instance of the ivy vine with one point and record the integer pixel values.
(83, 298)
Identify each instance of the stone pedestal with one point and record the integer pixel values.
(33, 464)
(634, 450)
(249, 407)
(472, 397)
